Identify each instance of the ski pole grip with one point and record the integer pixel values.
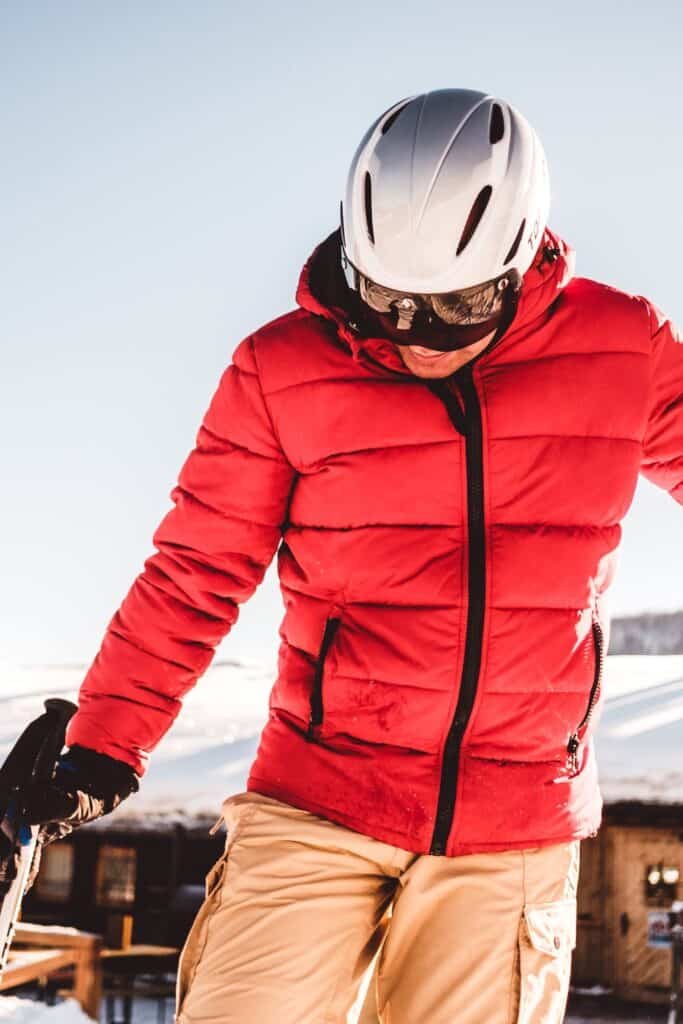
(59, 713)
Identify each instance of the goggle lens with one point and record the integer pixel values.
(468, 306)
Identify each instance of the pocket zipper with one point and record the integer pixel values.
(576, 736)
(316, 717)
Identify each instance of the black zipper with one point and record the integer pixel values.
(467, 422)
(575, 738)
(316, 716)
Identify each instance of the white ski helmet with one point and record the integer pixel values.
(447, 190)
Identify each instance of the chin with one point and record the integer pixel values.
(443, 366)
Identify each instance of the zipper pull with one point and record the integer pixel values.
(572, 753)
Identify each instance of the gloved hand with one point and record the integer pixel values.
(85, 785)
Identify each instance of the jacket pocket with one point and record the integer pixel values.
(317, 710)
(547, 936)
(574, 742)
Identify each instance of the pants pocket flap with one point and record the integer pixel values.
(551, 927)
(213, 879)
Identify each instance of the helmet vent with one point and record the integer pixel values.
(515, 245)
(368, 208)
(393, 118)
(476, 213)
(496, 124)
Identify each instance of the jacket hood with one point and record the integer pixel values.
(322, 290)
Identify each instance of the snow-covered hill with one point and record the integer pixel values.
(207, 753)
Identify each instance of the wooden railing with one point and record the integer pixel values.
(39, 950)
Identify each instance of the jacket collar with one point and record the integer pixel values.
(322, 291)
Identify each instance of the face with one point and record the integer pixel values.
(431, 364)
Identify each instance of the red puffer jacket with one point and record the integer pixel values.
(444, 554)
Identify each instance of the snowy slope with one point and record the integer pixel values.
(206, 755)
(640, 734)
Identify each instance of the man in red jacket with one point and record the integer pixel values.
(440, 442)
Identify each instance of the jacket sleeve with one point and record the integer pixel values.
(212, 550)
(662, 451)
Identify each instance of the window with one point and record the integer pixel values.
(661, 883)
(53, 883)
(115, 876)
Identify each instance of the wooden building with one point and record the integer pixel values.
(139, 884)
(630, 875)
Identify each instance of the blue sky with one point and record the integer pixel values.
(167, 169)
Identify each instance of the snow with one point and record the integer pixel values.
(26, 1011)
(207, 754)
(146, 1012)
(639, 734)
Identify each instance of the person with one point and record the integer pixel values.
(440, 442)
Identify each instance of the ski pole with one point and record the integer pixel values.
(31, 760)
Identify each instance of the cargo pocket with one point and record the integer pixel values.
(193, 946)
(547, 936)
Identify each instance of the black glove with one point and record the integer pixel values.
(85, 785)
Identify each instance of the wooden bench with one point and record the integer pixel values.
(40, 950)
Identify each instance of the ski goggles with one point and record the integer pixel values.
(480, 305)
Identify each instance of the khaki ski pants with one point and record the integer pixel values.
(297, 908)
